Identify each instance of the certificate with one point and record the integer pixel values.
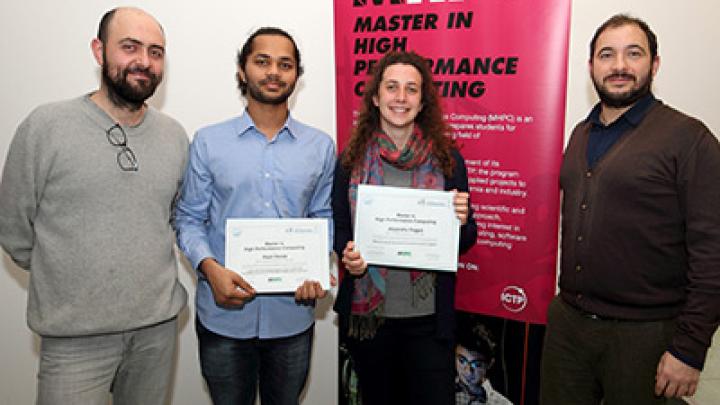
(278, 255)
(407, 227)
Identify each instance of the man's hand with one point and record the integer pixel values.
(353, 261)
(228, 288)
(675, 378)
(460, 201)
(310, 290)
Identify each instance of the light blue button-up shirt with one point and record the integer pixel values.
(234, 171)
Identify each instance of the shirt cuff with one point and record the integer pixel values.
(199, 253)
(685, 359)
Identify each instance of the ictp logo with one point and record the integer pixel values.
(513, 298)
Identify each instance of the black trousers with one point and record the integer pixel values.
(404, 364)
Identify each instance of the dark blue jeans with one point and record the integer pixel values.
(233, 367)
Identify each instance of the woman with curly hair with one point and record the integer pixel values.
(399, 323)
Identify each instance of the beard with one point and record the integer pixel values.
(256, 93)
(626, 99)
(125, 95)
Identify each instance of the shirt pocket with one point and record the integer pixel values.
(294, 193)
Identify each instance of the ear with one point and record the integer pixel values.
(655, 65)
(97, 49)
(241, 75)
(375, 101)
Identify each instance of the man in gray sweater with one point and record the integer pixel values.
(85, 206)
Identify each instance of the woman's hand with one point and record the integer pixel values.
(461, 201)
(353, 261)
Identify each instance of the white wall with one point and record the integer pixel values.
(46, 57)
(688, 33)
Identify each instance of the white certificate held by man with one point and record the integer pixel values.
(278, 255)
(407, 227)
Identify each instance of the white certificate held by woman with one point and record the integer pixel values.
(406, 227)
(278, 255)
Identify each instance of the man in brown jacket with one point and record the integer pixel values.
(639, 294)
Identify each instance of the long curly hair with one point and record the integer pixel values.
(429, 119)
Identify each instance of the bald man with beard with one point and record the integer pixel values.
(85, 206)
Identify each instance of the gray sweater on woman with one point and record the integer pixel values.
(97, 240)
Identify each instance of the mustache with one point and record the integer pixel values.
(274, 80)
(139, 69)
(626, 76)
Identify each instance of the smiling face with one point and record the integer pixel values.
(132, 57)
(271, 70)
(622, 67)
(399, 98)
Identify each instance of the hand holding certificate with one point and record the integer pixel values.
(407, 227)
(278, 255)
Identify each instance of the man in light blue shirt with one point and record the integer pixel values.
(263, 164)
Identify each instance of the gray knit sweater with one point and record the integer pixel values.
(97, 240)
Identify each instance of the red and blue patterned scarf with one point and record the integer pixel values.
(416, 155)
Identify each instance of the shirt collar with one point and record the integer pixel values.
(479, 397)
(633, 116)
(245, 123)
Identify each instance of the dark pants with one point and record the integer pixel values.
(232, 367)
(404, 364)
(587, 360)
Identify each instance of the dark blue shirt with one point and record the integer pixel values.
(603, 137)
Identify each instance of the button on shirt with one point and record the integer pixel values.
(234, 171)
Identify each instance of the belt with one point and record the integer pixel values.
(594, 316)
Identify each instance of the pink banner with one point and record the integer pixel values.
(500, 66)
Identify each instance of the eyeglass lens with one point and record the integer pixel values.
(126, 158)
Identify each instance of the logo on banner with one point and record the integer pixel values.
(363, 3)
(513, 298)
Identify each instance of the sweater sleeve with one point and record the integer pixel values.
(699, 191)
(341, 208)
(21, 189)
(459, 181)
(343, 234)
